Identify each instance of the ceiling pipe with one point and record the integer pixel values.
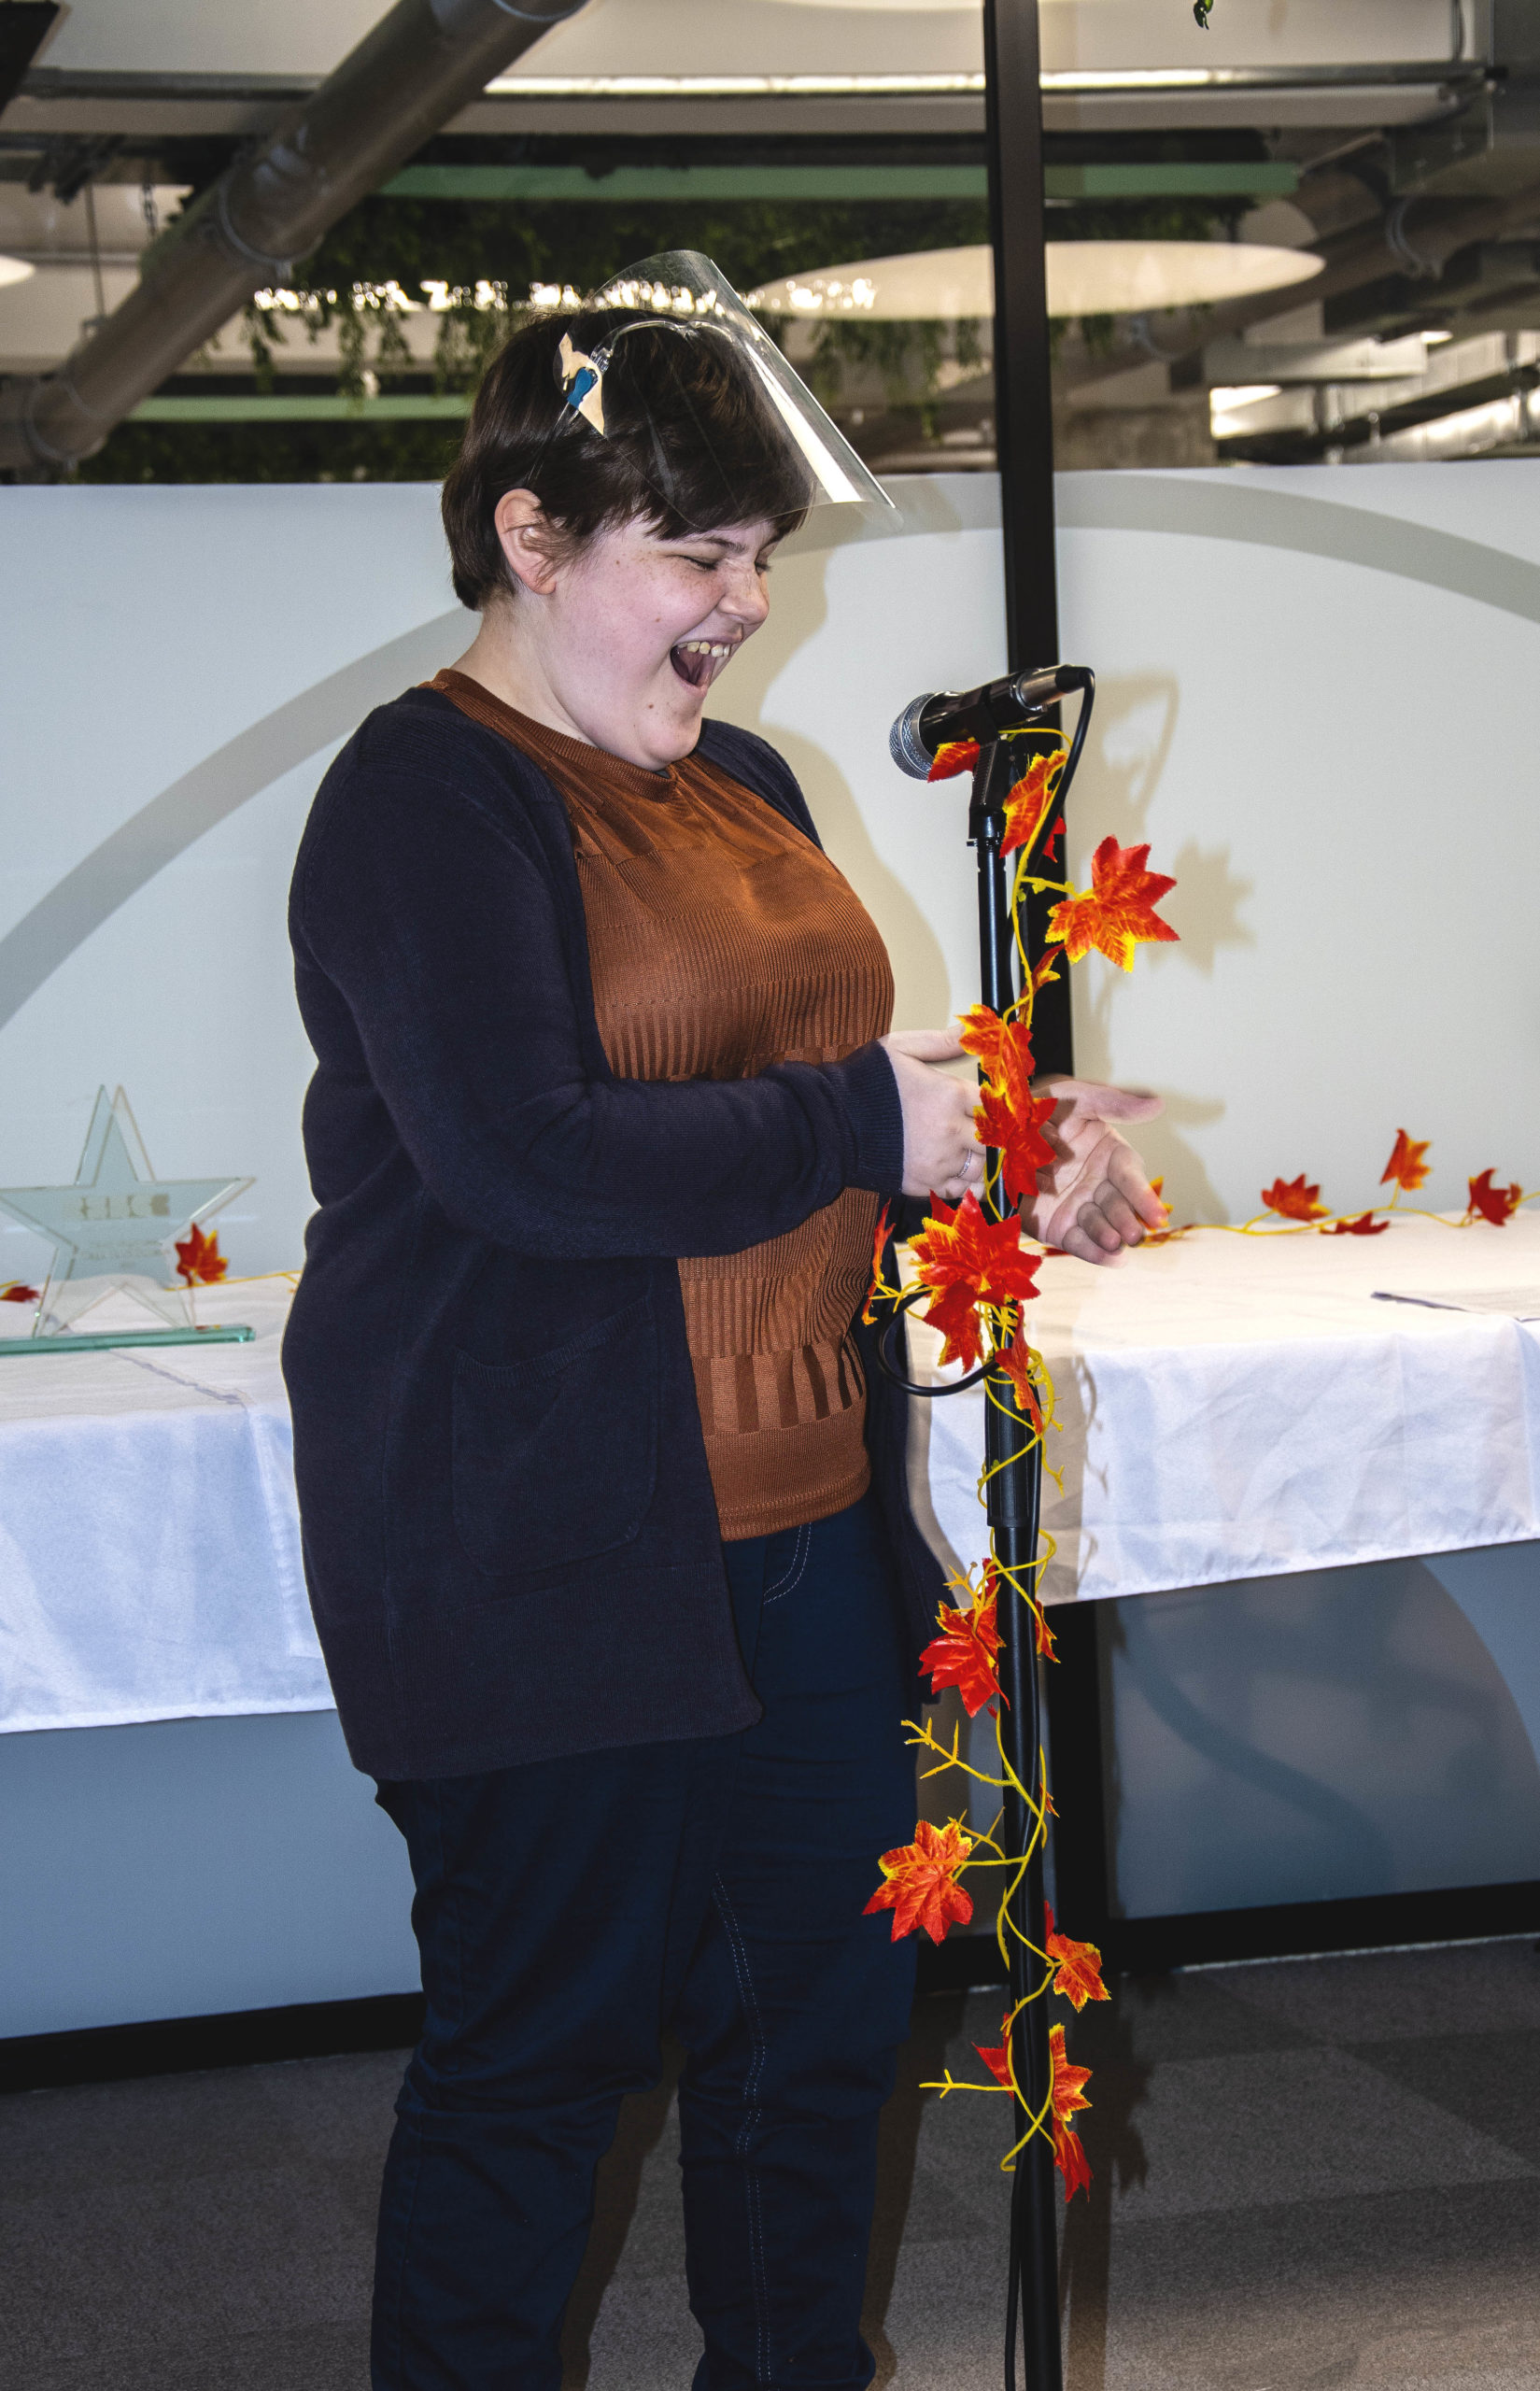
(417, 69)
(1354, 260)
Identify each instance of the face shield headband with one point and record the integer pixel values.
(666, 356)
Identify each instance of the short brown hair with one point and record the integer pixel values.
(688, 444)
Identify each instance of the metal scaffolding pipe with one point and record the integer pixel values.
(1356, 260)
(423, 62)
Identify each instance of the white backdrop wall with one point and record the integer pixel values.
(1318, 708)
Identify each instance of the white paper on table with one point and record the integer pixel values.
(1508, 1302)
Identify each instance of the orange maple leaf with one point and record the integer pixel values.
(1008, 1114)
(1168, 1235)
(982, 1032)
(964, 1260)
(920, 1884)
(953, 1314)
(1494, 1204)
(1071, 2161)
(1363, 1224)
(878, 1248)
(1029, 800)
(14, 1292)
(997, 2059)
(1009, 1123)
(1294, 1199)
(1068, 2096)
(1118, 912)
(1405, 1168)
(963, 1653)
(1077, 1966)
(1016, 1362)
(198, 1260)
(956, 756)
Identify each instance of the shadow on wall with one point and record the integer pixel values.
(797, 615)
(1321, 1736)
(1130, 744)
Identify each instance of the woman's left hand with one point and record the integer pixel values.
(1096, 1201)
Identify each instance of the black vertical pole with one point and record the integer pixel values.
(1023, 406)
(1024, 443)
(1013, 1497)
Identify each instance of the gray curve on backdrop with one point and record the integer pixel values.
(170, 823)
(1225, 509)
(1230, 509)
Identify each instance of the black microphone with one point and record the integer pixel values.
(930, 721)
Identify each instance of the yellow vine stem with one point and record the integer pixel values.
(1038, 2120)
(1259, 1223)
(924, 1739)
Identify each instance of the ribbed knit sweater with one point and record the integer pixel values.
(721, 941)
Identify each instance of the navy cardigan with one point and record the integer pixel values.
(510, 1535)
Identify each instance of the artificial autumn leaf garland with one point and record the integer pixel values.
(976, 1275)
(1297, 1202)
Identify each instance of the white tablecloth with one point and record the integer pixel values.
(1237, 1406)
(1232, 1406)
(149, 1549)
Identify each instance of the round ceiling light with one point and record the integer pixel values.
(1084, 278)
(1140, 277)
(15, 270)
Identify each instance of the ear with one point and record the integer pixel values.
(524, 535)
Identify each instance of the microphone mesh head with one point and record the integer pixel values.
(905, 745)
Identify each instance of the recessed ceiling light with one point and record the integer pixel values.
(1084, 278)
(15, 270)
(1435, 340)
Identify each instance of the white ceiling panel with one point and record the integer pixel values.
(307, 37)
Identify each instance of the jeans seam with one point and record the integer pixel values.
(801, 1553)
(744, 2135)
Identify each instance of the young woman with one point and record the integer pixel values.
(604, 1511)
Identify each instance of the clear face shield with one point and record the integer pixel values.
(665, 358)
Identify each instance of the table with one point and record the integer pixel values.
(149, 1547)
(1243, 1406)
(1230, 1407)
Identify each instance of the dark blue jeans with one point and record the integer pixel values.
(567, 1912)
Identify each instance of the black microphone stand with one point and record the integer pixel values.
(1013, 1501)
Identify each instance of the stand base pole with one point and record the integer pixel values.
(1013, 1500)
(1015, 1494)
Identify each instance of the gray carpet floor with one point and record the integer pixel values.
(1308, 2176)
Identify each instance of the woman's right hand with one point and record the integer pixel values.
(942, 1155)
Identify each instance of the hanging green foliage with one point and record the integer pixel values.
(467, 266)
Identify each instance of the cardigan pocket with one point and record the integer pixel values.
(556, 1458)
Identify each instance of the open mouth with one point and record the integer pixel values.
(700, 660)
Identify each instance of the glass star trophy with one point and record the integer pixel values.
(111, 1231)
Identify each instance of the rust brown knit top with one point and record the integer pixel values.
(721, 941)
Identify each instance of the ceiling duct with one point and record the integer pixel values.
(419, 68)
